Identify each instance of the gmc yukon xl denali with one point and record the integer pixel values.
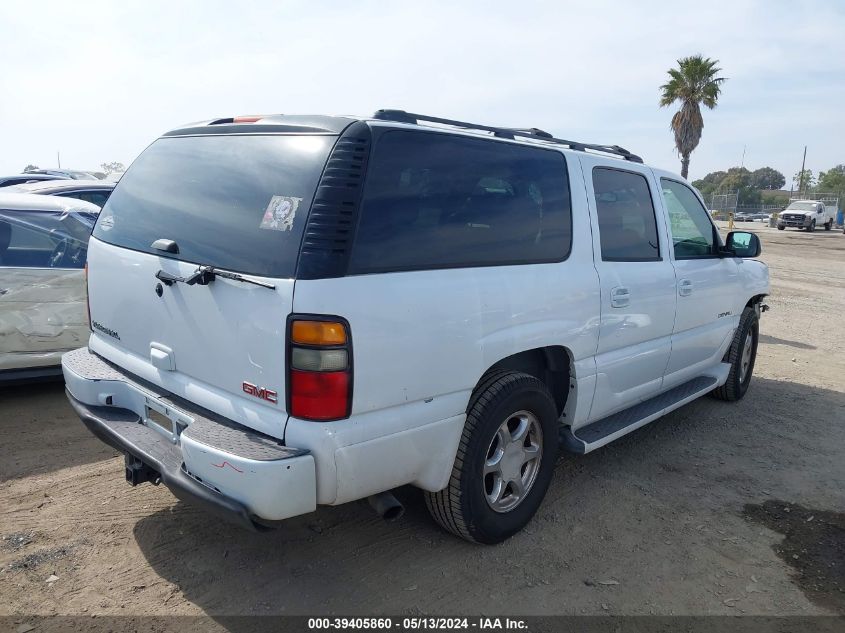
(292, 311)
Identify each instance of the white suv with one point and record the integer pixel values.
(294, 311)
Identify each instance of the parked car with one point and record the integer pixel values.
(20, 179)
(73, 174)
(43, 244)
(297, 311)
(93, 191)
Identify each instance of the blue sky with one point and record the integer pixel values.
(99, 81)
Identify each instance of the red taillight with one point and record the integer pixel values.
(87, 298)
(316, 395)
(320, 369)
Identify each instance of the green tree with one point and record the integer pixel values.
(803, 180)
(112, 167)
(774, 198)
(714, 177)
(832, 180)
(710, 183)
(739, 179)
(30, 167)
(694, 83)
(767, 178)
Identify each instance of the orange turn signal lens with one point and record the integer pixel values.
(318, 333)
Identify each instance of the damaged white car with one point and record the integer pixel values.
(43, 313)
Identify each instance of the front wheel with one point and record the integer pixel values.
(781, 228)
(505, 460)
(741, 355)
(812, 226)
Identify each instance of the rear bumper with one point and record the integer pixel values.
(233, 472)
(112, 426)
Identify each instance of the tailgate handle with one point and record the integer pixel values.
(162, 357)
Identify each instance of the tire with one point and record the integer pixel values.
(812, 226)
(828, 225)
(465, 507)
(747, 334)
(781, 228)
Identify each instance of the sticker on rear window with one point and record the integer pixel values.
(280, 213)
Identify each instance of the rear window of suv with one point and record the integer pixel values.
(233, 202)
(435, 200)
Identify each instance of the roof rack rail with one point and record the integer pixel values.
(400, 116)
(533, 131)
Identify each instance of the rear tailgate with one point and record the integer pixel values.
(237, 203)
(220, 339)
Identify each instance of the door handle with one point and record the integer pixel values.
(620, 297)
(685, 287)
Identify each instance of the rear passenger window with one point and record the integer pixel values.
(441, 201)
(627, 225)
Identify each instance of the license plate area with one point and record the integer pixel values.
(164, 419)
(160, 420)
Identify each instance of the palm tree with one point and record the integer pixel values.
(693, 82)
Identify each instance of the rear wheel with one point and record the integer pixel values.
(505, 460)
(781, 228)
(741, 355)
(828, 225)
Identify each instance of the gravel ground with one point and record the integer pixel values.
(715, 509)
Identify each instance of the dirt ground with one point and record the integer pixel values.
(715, 509)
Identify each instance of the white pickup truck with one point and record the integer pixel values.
(294, 311)
(809, 214)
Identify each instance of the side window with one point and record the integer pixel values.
(98, 197)
(693, 234)
(436, 200)
(94, 196)
(627, 224)
(44, 239)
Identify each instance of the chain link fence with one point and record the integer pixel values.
(720, 204)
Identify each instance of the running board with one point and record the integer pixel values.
(604, 431)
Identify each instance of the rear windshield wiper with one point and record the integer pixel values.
(206, 274)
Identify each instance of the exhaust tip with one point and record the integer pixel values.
(387, 506)
(395, 513)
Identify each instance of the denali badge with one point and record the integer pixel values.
(260, 392)
(105, 330)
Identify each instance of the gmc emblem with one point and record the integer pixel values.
(260, 392)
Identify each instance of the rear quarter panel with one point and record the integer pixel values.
(421, 340)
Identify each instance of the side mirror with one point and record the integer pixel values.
(743, 244)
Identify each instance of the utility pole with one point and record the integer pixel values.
(743, 157)
(801, 174)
